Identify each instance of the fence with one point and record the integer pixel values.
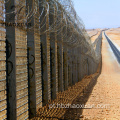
(44, 49)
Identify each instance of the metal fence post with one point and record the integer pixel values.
(45, 44)
(60, 54)
(65, 64)
(53, 53)
(33, 39)
(16, 62)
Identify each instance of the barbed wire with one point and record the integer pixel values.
(65, 20)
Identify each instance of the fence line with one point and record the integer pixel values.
(44, 49)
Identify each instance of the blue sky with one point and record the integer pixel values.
(98, 13)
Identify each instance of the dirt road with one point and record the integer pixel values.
(101, 99)
(105, 97)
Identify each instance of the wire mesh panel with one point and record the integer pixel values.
(21, 62)
(3, 102)
(38, 63)
(41, 59)
(91, 65)
(21, 74)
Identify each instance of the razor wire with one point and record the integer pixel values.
(74, 34)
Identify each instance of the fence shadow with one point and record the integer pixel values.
(76, 113)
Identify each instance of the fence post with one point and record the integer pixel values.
(60, 53)
(78, 64)
(32, 70)
(34, 65)
(11, 64)
(70, 67)
(76, 75)
(81, 63)
(73, 67)
(53, 53)
(16, 62)
(65, 64)
(45, 46)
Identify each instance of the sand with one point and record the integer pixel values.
(107, 90)
(102, 99)
(95, 36)
(94, 33)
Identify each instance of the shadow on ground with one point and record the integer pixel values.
(76, 113)
(77, 94)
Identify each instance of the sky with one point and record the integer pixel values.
(98, 13)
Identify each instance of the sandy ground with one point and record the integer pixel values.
(94, 33)
(101, 99)
(77, 94)
(95, 37)
(105, 97)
